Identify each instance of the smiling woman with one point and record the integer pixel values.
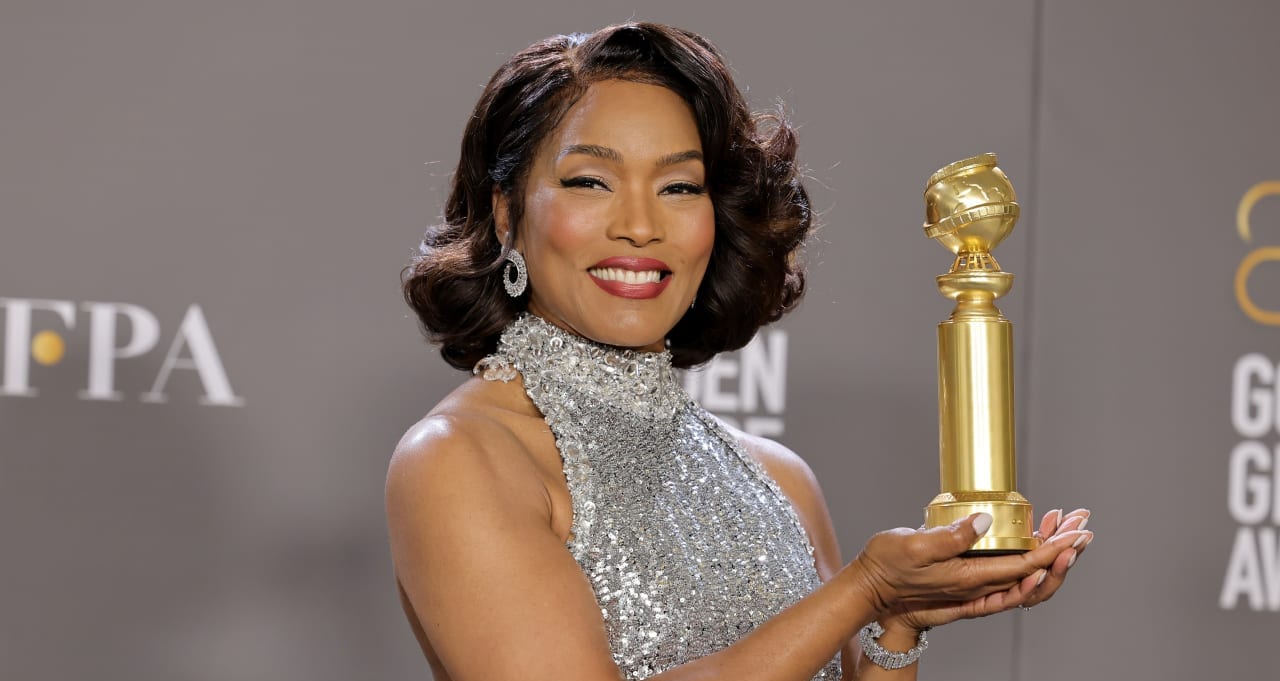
(572, 116)
(569, 513)
(617, 224)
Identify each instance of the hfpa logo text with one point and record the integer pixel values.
(27, 338)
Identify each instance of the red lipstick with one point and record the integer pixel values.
(609, 275)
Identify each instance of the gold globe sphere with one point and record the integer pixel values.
(970, 206)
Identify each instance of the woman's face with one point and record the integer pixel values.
(618, 225)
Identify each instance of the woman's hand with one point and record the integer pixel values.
(918, 579)
(1055, 529)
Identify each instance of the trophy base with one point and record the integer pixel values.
(1012, 524)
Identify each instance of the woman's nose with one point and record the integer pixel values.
(636, 220)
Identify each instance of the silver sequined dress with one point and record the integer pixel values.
(687, 542)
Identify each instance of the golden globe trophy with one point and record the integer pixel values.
(970, 208)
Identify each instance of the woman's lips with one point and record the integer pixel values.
(627, 277)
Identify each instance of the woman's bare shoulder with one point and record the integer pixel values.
(474, 548)
(469, 438)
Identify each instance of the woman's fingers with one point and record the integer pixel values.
(972, 579)
(1053, 580)
(1058, 573)
(1038, 575)
(921, 566)
(1072, 523)
(1081, 512)
(1003, 571)
(1049, 524)
(983, 576)
(1009, 598)
(1056, 521)
(942, 543)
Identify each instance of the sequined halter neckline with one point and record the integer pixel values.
(687, 542)
(642, 384)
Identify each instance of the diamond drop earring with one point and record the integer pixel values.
(515, 261)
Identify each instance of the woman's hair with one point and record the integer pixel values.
(762, 214)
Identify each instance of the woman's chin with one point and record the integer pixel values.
(639, 333)
(640, 340)
(640, 330)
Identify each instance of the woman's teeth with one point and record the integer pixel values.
(626, 276)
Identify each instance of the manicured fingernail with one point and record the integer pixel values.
(1043, 574)
(1083, 523)
(1079, 540)
(1057, 516)
(1072, 560)
(1071, 524)
(982, 523)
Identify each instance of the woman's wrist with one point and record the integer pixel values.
(862, 584)
(886, 658)
(899, 635)
(888, 640)
(865, 581)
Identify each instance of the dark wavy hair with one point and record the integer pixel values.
(762, 214)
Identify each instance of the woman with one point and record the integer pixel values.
(569, 513)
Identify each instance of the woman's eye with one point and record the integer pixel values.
(684, 188)
(584, 182)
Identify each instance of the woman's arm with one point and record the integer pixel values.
(801, 486)
(495, 590)
(499, 596)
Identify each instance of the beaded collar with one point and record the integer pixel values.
(643, 384)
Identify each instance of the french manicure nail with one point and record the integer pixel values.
(1079, 540)
(982, 523)
(1072, 560)
(1043, 574)
(1083, 523)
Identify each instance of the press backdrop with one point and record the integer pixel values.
(204, 208)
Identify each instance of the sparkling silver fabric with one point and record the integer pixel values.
(687, 542)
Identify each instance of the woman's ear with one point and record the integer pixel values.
(501, 215)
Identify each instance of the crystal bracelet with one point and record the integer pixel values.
(884, 658)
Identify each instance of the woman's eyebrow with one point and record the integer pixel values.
(679, 157)
(608, 154)
(591, 150)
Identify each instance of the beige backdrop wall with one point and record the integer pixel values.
(206, 363)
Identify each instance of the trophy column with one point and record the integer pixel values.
(970, 207)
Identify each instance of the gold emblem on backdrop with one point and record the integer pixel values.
(1253, 469)
(1255, 257)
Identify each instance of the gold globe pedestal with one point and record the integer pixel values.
(970, 208)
